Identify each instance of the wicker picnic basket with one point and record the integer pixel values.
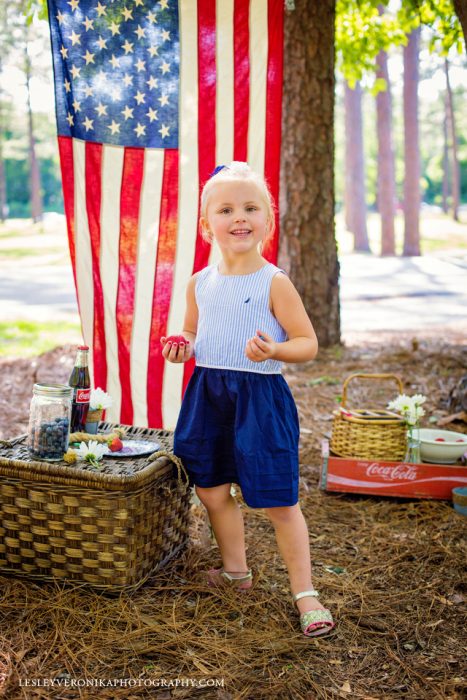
(110, 529)
(368, 433)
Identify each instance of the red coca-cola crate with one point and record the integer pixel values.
(383, 478)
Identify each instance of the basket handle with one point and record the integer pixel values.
(368, 376)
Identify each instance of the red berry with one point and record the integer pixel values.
(115, 445)
(460, 440)
(440, 440)
(176, 339)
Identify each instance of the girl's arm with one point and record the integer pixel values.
(287, 307)
(178, 353)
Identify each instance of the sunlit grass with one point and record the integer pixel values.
(29, 338)
(27, 252)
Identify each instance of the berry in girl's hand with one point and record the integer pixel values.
(176, 339)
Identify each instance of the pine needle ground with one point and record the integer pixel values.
(392, 571)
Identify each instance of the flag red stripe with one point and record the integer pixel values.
(65, 148)
(93, 177)
(165, 263)
(206, 109)
(274, 112)
(206, 126)
(241, 37)
(130, 194)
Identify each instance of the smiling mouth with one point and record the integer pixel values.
(241, 232)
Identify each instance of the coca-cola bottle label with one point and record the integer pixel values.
(83, 395)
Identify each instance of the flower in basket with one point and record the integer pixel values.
(91, 452)
(99, 400)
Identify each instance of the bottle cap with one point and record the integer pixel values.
(83, 347)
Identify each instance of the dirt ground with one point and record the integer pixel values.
(392, 571)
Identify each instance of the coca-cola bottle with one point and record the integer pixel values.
(81, 383)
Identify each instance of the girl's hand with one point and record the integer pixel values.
(176, 350)
(261, 347)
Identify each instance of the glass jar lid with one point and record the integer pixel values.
(56, 391)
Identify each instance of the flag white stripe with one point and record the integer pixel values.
(187, 202)
(258, 77)
(225, 85)
(84, 277)
(148, 235)
(112, 169)
(225, 88)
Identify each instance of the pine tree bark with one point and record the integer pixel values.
(35, 180)
(386, 179)
(460, 8)
(411, 146)
(354, 195)
(307, 178)
(453, 136)
(446, 178)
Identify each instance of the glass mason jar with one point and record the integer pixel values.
(49, 421)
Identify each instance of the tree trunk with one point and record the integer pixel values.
(411, 147)
(307, 177)
(3, 199)
(354, 196)
(35, 180)
(446, 179)
(452, 132)
(386, 182)
(460, 8)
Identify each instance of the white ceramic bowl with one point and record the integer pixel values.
(441, 446)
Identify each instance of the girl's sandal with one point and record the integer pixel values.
(240, 580)
(314, 622)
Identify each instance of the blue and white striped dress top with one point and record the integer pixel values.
(231, 309)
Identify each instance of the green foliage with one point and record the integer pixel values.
(361, 32)
(35, 8)
(17, 185)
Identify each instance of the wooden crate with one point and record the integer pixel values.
(386, 478)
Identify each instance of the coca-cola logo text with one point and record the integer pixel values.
(83, 395)
(400, 471)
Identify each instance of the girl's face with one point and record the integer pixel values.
(236, 215)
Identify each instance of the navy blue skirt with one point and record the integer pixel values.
(240, 427)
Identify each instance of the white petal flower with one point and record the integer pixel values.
(91, 452)
(418, 399)
(99, 400)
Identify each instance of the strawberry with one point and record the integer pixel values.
(460, 440)
(176, 339)
(440, 440)
(115, 445)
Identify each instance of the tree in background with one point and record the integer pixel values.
(386, 195)
(354, 193)
(35, 178)
(411, 146)
(452, 135)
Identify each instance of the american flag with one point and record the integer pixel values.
(150, 97)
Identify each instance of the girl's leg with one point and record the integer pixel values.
(227, 522)
(294, 546)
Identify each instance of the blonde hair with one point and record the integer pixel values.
(238, 171)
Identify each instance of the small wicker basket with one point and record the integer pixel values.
(370, 433)
(110, 529)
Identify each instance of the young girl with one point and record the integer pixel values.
(238, 421)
